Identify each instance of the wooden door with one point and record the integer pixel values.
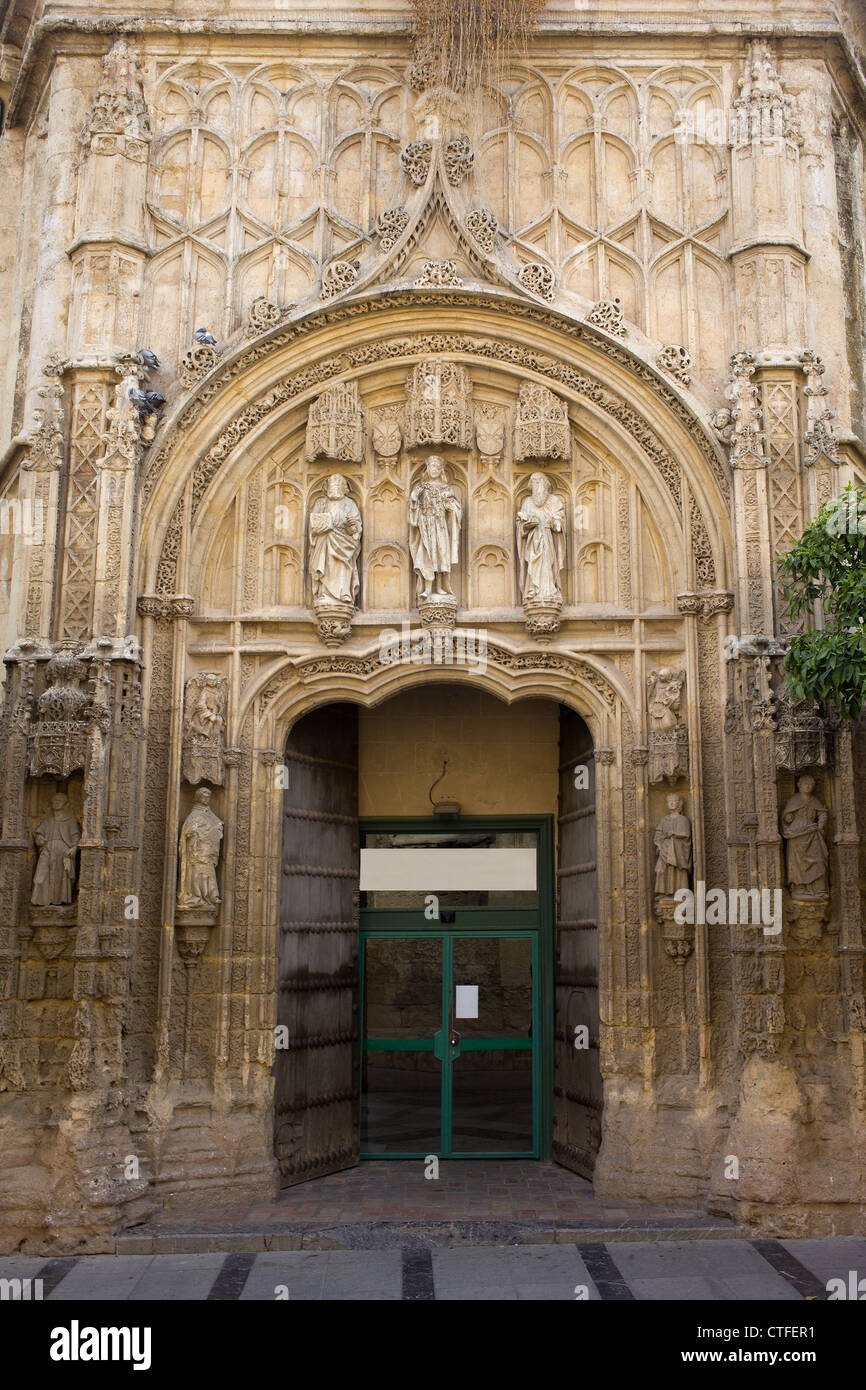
(577, 1086)
(316, 1120)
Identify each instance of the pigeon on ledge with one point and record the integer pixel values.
(149, 359)
(154, 399)
(201, 335)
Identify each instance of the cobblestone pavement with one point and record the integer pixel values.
(721, 1270)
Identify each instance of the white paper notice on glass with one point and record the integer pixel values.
(466, 1005)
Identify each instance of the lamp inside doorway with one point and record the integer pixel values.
(443, 810)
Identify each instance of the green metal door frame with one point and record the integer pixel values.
(537, 922)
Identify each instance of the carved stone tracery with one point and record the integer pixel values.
(541, 428)
(336, 424)
(438, 405)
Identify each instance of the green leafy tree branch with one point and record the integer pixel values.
(828, 563)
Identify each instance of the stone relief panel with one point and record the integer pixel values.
(493, 436)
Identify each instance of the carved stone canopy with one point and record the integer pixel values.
(541, 429)
(439, 405)
(58, 742)
(336, 425)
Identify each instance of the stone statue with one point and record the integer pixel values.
(435, 513)
(541, 543)
(803, 820)
(200, 838)
(57, 838)
(673, 842)
(668, 735)
(204, 729)
(335, 544)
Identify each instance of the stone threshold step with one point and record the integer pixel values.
(385, 1235)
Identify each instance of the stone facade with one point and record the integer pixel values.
(639, 275)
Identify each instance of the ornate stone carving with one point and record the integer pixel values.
(204, 728)
(57, 836)
(607, 314)
(673, 866)
(45, 443)
(122, 440)
(722, 423)
(387, 348)
(439, 405)
(196, 363)
(763, 110)
(415, 159)
(541, 553)
(537, 278)
(118, 108)
(541, 428)
(819, 438)
(722, 601)
(459, 159)
(801, 735)
(747, 435)
(435, 514)
(442, 273)
(803, 822)
(438, 612)
(676, 360)
(199, 851)
(489, 434)
(668, 735)
(335, 544)
(390, 226)
(387, 435)
(58, 741)
(336, 427)
(483, 226)
(264, 315)
(339, 276)
(165, 607)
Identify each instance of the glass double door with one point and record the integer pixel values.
(450, 1062)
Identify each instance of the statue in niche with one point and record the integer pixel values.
(435, 513)
(200, 838)
(673, 843)
(804, 818)
(335, 544)
(204, 729)
(668, 736)
(541, 543)
(57, 837)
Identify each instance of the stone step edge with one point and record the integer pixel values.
(393, 1235)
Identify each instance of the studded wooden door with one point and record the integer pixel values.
(317, 1087)
(577, 1085)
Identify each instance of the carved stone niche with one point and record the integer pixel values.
(59, 736)
(803, 823)
(541, 429)
(668, 739)
(198, 898)
(438, 405)
(336, 427)
(204, 725)
(673, 845)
